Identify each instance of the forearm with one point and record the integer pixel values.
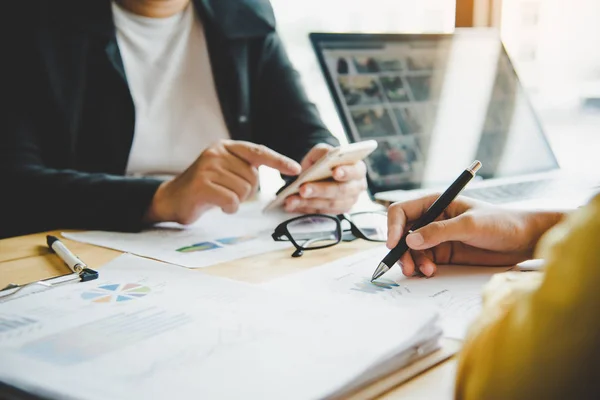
(39, 198)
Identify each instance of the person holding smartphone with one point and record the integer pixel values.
(106, 98)
(538, 335)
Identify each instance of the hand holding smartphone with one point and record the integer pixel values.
(323, 168)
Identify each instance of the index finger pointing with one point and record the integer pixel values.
(256, 154)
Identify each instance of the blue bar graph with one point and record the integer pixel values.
(11, 323)
(105, 335)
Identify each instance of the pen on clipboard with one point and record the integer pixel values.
(80, 273)
(72, 261)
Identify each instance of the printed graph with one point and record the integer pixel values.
(116, 293)
(10, 323)
(380, 285)
(216, 244)
(202, 246)
(88, 341)
(236, 239)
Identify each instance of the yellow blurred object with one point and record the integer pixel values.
(538, 336)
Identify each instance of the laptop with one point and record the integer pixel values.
(435, 103)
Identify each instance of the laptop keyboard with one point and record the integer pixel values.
(526, 190)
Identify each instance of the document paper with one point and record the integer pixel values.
(148, 330)
(215, 238)
(454, 290)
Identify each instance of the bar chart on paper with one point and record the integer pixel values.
(12, 323)
(103, 336)
(215, 238)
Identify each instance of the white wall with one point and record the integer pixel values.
(564, 41)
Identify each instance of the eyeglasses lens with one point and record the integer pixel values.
(310, 231)
(372, 225)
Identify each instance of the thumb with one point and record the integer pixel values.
(449, 230)
(256, 155)
(314, 155)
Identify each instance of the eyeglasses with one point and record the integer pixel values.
(318, 231)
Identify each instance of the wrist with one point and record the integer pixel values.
(542, 221)
(159, 209)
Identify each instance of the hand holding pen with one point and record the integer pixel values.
(434, 211)
(468, 232)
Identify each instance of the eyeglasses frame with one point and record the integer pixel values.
(282, 231)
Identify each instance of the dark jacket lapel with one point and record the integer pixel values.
(230, 26)
(65, 33)
(239, 19)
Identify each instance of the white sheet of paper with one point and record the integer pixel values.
(215, 238)
(454, 290)
(146, 330)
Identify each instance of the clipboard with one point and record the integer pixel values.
(13, 291)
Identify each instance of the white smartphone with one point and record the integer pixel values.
(323, 169)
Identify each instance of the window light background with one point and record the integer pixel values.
(553, 45)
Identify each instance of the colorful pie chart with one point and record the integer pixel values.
(116, 293)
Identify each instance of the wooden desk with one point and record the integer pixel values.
(27, 258)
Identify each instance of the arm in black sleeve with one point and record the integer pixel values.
(285, 117)
(37, 197)
(41, 187)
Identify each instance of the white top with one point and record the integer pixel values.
(177, 112)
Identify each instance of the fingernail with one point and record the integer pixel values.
(294, 166)
(414, 240)
(427, 270)
(307, 191)
(340, 173)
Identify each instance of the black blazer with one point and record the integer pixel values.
(66, 136)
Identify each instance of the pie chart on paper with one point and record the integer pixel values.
(116, 293)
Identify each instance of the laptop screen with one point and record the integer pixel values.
(434, 103)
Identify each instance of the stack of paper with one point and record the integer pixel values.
(455, 290)
(150, 330)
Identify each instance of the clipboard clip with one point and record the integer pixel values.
(13, 291)
(87, 274)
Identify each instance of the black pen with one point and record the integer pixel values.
(434, 211)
